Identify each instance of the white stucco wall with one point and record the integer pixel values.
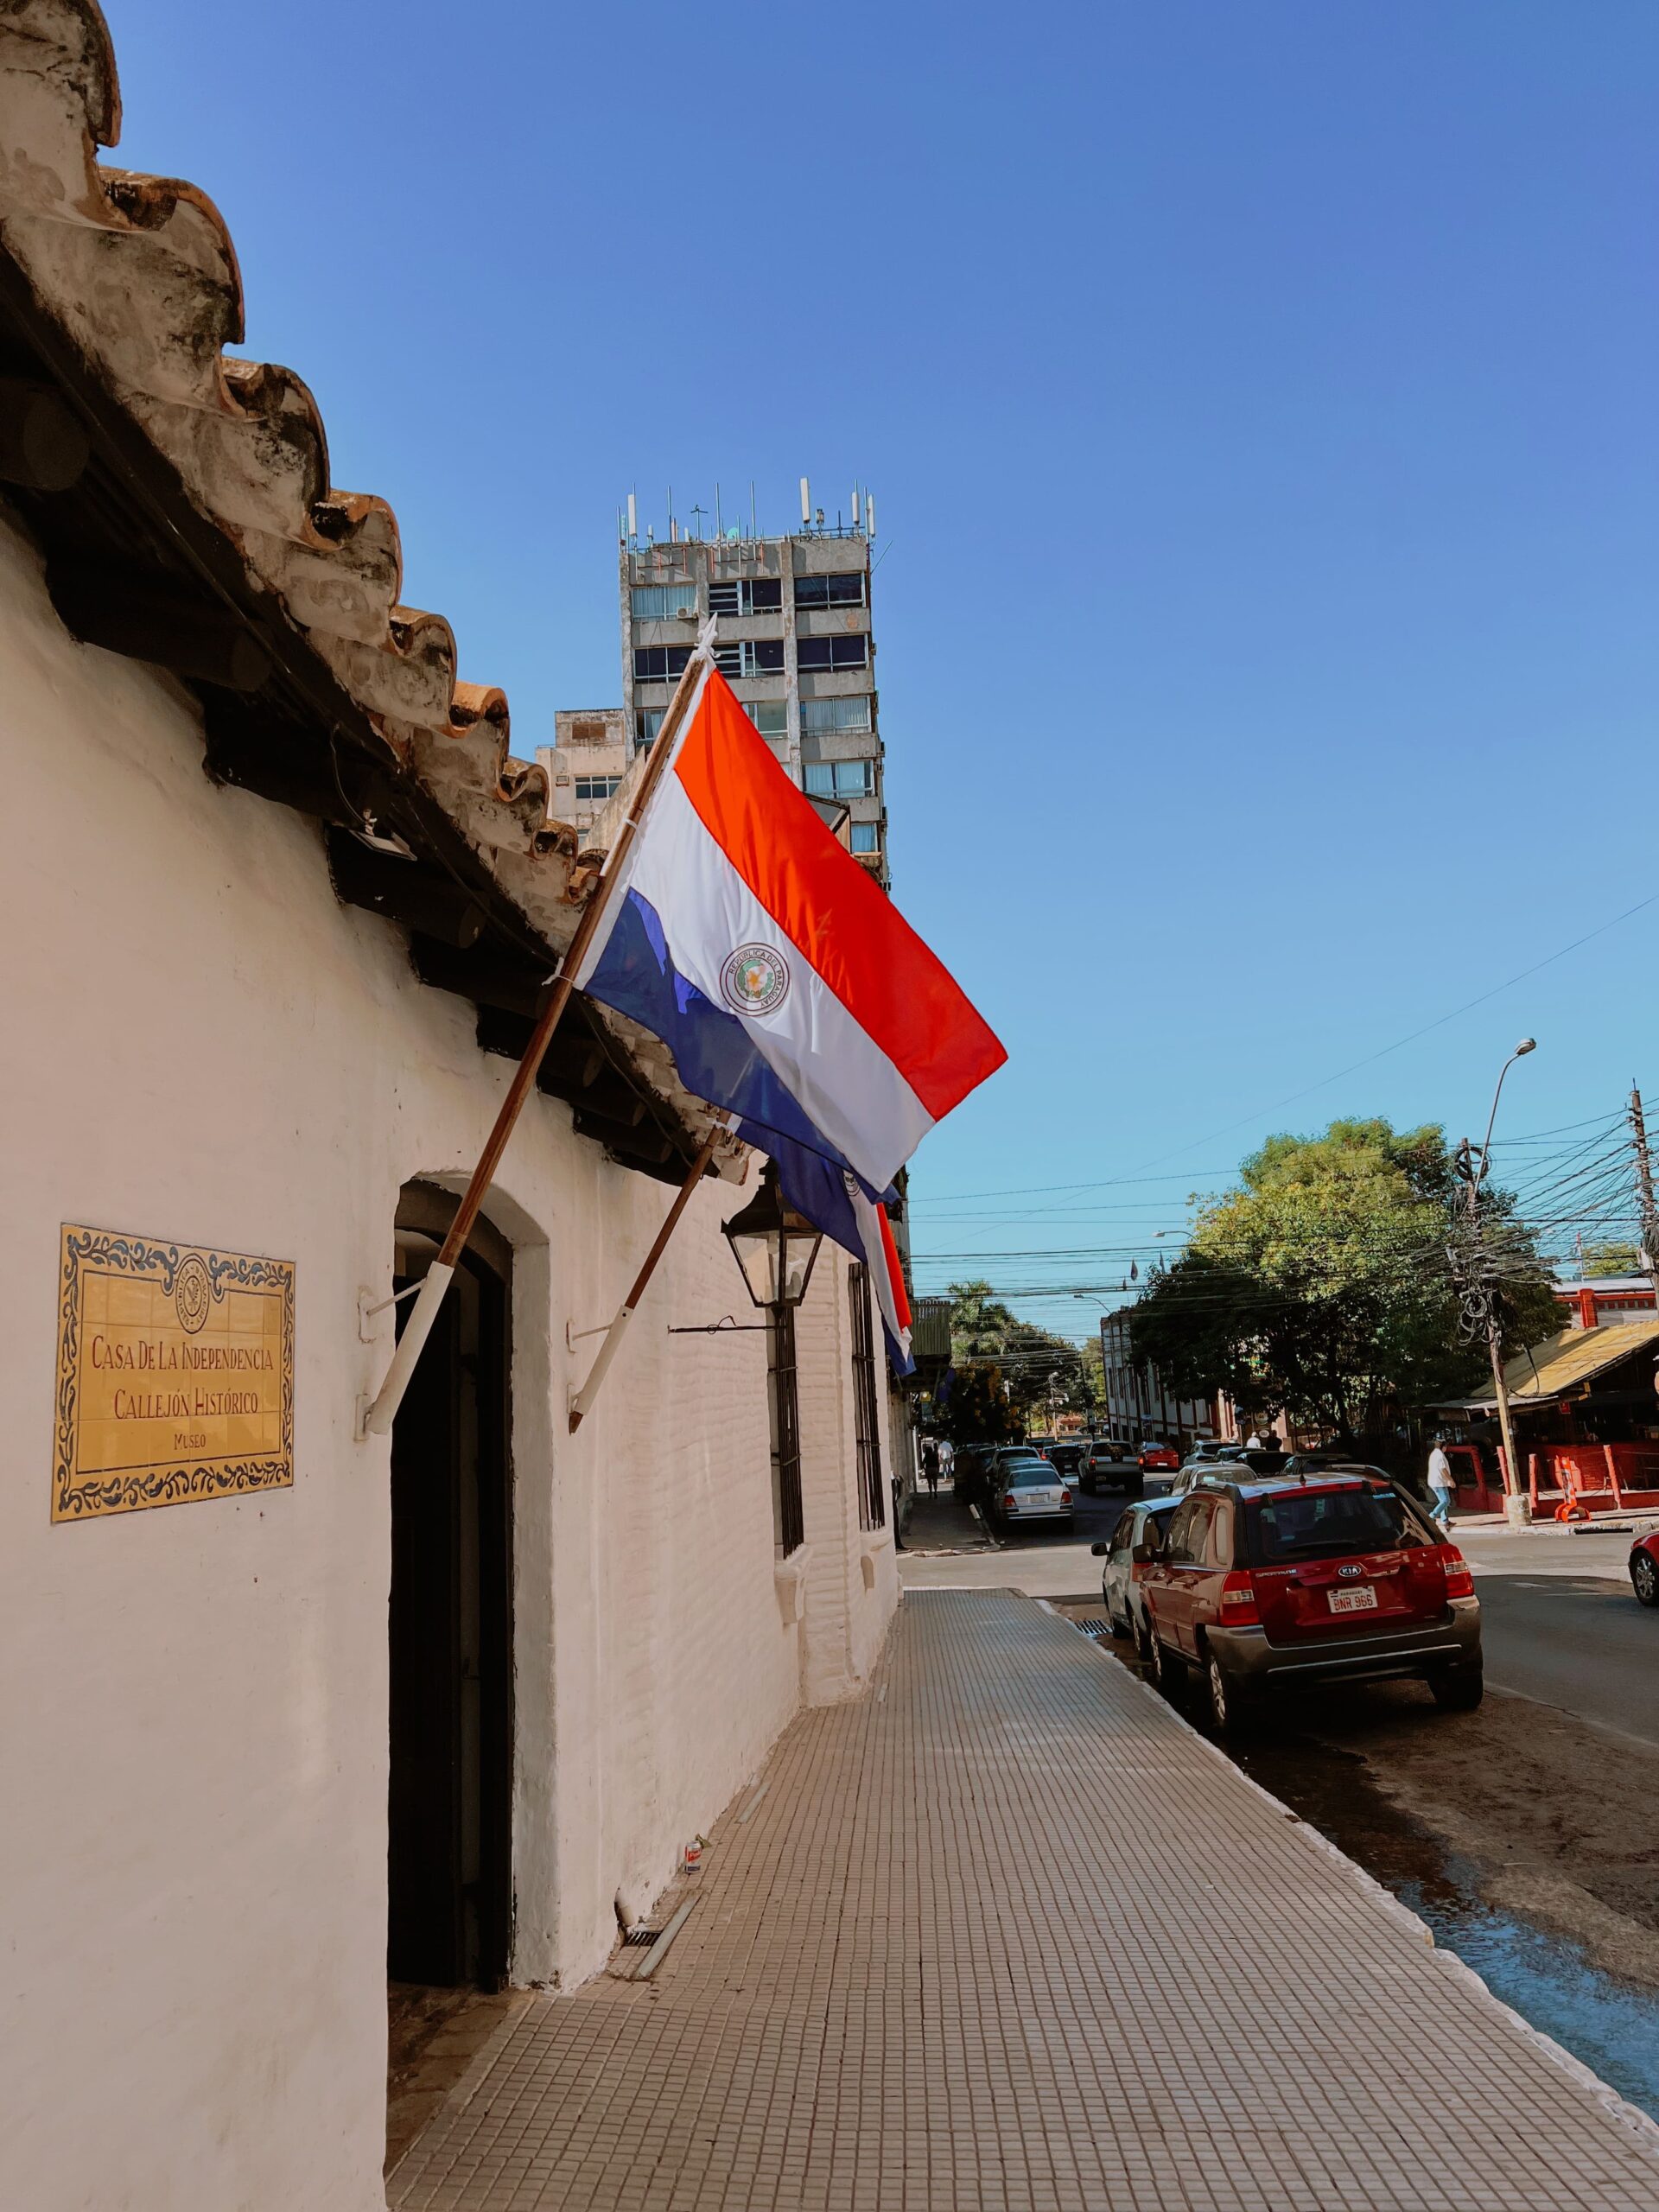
(200, 1044)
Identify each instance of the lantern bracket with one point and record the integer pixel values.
(724, 1327)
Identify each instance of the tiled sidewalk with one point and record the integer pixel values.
(941, 1523)
(1005, 1934)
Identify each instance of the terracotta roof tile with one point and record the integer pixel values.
(142, 273)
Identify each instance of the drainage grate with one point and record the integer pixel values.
(1100, 1631)
(644, 1950)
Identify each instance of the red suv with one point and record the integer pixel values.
(1338, 1576)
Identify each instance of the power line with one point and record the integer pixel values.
(1291, 1098)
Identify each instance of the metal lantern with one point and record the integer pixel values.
(773, 1245)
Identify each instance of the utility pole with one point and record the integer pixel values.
(1480, 1300)
(1476, 1279)
(1647, 1215)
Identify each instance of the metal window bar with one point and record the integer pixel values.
(872, 1505)
(789, 1522)
(748, 595)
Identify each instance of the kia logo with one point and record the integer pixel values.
(1351, 1573)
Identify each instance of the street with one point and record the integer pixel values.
(1585, 1645)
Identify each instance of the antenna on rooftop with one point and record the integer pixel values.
(754, 527)
(633, 517)
(869, 514)
(806, 504)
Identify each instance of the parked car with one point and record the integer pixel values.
(1260, 1582)
(1159, 1465)
(970, 1472)
(1063, 1452)
(1103, 1462)
(1120, 1578)
(1236, 1459)
(1644, 1568)
(1207, 1450)
(1030, 1491)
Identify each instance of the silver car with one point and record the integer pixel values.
(1028, 1492)
(1120, 1591)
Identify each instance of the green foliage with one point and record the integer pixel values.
(977, 1411)
(1320, 1287)
(1036, 1369)
(1612, 1258)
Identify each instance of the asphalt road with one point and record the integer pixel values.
(1580, 1643)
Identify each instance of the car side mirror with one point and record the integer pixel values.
(1099, 1551)
(1143, 1554)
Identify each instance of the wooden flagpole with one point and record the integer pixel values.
(581, 1403)
(377, 1420)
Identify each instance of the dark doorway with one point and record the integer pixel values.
(450, 1860)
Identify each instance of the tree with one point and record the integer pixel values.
(1319, 1288)
(975, 1409)
(1037, 1367)
(1613, 1257)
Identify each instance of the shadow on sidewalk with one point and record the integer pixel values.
(942, 1524)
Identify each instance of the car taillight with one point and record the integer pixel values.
(1238, 1605)
(1460, 1583)
(1008, 1502)
(1065, 1497)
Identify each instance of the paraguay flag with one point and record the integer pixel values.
(833, 1199)
(788, 987)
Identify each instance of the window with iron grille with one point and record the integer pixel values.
(846, 590)
(747, 595)
(788, 1521)
(750, 657)
(825, 655)
(872, 1505)
(660, 663)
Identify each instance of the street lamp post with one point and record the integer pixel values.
(1516, 1510)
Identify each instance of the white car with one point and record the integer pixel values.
(1026, 1491)
(1120, 1590)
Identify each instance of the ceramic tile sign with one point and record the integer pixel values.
(175, 1375)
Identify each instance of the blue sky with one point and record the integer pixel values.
(1259, 406)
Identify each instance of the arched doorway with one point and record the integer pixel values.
(449, 1796)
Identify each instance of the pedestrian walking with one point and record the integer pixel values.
(1441, 1484)
(930, 1464)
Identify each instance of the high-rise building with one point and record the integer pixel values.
(793, 640)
